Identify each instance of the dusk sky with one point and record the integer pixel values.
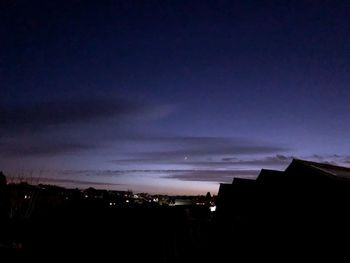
(171, 96)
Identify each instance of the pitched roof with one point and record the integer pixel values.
(242, 181)
(329, 169)
(267, 175)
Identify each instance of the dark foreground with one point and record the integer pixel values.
(301, 214)
(135, 233)
(166, 234)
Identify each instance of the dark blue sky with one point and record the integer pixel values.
(171, 96)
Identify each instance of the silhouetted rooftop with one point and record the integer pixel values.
(267, 175)
(243, 181)
(329, 169)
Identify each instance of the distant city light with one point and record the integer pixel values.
(212, 208)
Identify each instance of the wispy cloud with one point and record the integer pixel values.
(177, 147)
(43, 115)
(73, 125)
(213, 175)
(101, 173)
(183, 175)
(41, 149)
(48, 180)
(277, 159)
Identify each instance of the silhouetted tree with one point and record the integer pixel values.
(3, 180)
(4, 199)
(208, 195)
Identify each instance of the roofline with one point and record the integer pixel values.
(270, 170)
(313, 165)
(309, 164)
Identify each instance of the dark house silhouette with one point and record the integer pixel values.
(318, 186)
(236, 200)
(308, 202)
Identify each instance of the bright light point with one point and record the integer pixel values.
(212, 208)
(186, 157)
(110, 203)
(127, 201)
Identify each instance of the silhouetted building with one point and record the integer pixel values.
(308, 202)
(302, 181)
(238, 194)
(270, 177)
